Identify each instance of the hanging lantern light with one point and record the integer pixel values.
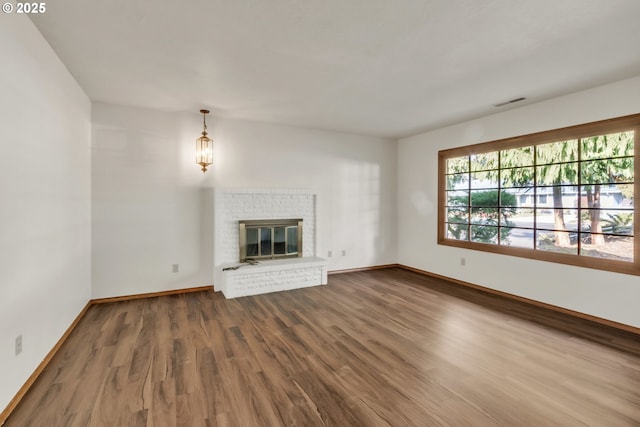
(204, 145)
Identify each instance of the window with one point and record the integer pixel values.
(565, 196)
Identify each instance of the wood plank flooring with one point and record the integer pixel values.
(378, 348)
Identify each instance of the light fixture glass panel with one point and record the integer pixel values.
(204, 145)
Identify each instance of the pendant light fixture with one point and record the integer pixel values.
(204, 145)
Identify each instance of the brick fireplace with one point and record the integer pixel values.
(233, 207)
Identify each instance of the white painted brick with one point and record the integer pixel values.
(233, 205)
(259, 282)
(273, 276)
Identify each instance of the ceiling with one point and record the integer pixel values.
(388, 68)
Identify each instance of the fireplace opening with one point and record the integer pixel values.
(270, 239)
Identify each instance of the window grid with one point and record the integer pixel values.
(460, 223)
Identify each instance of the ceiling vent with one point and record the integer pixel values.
(513, 101)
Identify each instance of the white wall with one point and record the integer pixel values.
(45, 211)
(354, 177)
(598, 293)
(152, 206)
(146, 208)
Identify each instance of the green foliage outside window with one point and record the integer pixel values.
(575, 195)
(486, 216)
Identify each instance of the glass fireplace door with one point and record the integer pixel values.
(268, 239)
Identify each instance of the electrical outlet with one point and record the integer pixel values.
(344, 252)
(463, 261)
(329, 254)
(18, 344)
(176, 268)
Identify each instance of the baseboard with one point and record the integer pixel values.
(13, 404)
(573, 313)
(151, 295)
(355, 270)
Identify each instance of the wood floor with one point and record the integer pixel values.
(378, 348)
